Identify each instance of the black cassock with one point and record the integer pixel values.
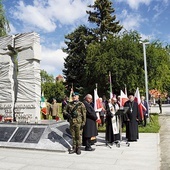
(90, 128)
(110, 137)
(131, 120)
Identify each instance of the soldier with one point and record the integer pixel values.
(76, 112)
(54, 109)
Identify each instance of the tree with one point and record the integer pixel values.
(123, 56)
(102, 17)
(74, 64)
(45, 77)
(51, 88)
(76, 69)
(158, 59)
(4, 24)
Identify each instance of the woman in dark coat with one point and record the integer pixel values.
(131, 119)
(90, 128)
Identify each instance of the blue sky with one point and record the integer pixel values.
(53, 19)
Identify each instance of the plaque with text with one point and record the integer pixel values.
(6, 133)
(35, 135)
(20, 134)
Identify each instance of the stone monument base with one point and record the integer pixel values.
(46, 135)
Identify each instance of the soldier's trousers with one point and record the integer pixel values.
(76, 133)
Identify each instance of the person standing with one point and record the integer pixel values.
(46, 110)
(90, 128)
(102, 112)
(76, 112)
(131, 119)
(160, 103)
(112, 122)
(145, 110)
(54, 109)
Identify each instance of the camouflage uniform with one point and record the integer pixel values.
(76, 112)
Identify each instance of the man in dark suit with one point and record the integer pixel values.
(145, 110)
(160, 103)
(90, 128)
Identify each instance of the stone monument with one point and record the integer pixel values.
(20, 85)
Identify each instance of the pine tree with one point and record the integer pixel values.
(105, 21)
(74, 65)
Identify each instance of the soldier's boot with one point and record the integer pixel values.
(78, 150)
(73, 150)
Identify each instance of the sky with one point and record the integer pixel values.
(53, 19)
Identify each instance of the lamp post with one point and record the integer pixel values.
(146, 74)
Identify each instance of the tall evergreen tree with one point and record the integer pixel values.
(4, 24)
(75, 63)
(105, 21)
(76, 69)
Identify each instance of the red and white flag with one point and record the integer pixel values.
(97, 105)
(97, 102)
(123, 98)
(140, 105)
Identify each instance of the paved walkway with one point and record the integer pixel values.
(151, 152)
(141, 155)
(165, 141)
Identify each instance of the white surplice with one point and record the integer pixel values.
(114, 119)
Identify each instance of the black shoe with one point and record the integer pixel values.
(89, 149)
(132, 140)
(71, 151)
(78, 151)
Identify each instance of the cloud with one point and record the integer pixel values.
(52, 61)
(47, 15)
(150, 37)
(34, 16)
(12, 29)
(134, 4)
(160, 8)
(130, 22)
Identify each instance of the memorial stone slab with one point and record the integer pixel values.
(6, 133)
(35, 135)
(20, 134)
(47, 135)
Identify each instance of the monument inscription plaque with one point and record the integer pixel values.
(35, 135)
(20, 134)
(6, 133)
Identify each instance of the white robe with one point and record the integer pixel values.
(115, 119)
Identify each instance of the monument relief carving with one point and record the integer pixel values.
(20, 85)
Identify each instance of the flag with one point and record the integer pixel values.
(140, 105)
(110, 81)
(97, 102)
(43, 106)
(97, 105)
(123, 98)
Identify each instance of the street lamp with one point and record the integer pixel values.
(146, 74)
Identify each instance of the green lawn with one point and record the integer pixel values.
(152, 127)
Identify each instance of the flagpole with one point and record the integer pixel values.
(96, 86)
(125, 89)
(71, 92)
(110, 80)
